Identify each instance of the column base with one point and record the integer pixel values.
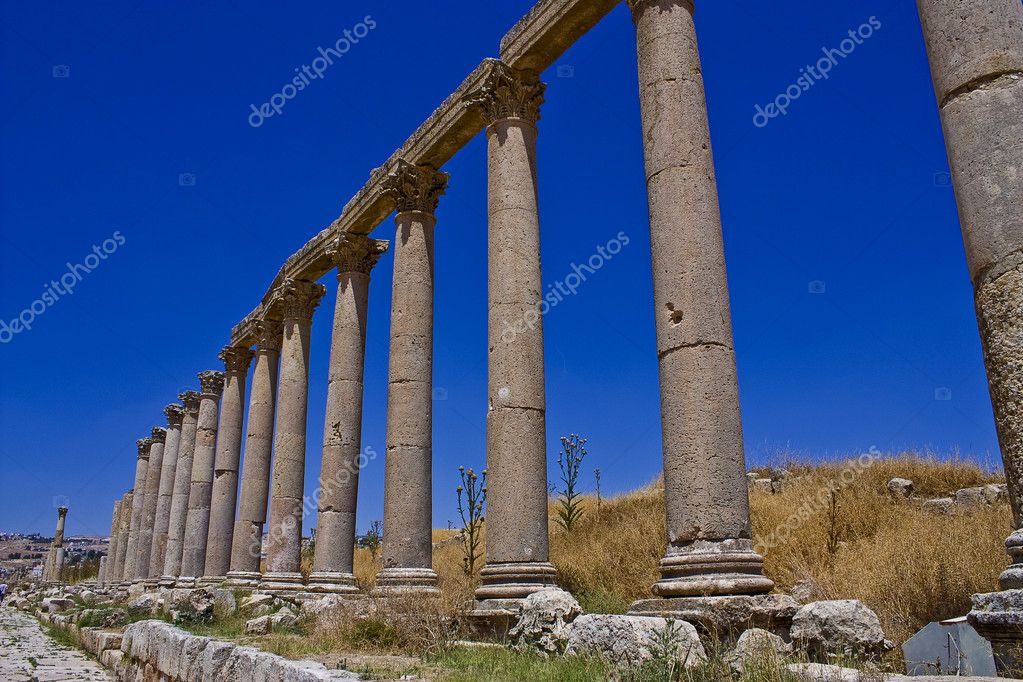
(724, 617)
(998, 618)
(151, 584)
(186, 582)
(514, 580)
(332, 582)
(211, 581)
(1012, 577)
(167, 581)
(392, 582)
(282, 582)
(713, 568)
(249, 579)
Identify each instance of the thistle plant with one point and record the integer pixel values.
(570, 460)
(472, 497)
(372, 541)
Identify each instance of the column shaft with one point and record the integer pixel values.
(182, 488)
(153, 476)
(165, 495)
(115, 529)
(127, 502)
(229, 451)
(706, 497)
(255, 487)
(976, 55)
(517, 546)
(131, 557)
(333, 561)
(298, 300)
(200, 493)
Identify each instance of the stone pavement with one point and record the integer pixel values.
(27, 653)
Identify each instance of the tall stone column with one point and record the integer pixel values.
(408, 486)
(101, 579)
(122, 537)
(229, 452)
(153, 474)
(710, 551)
(200, 494)
(182, 488)
(115, 529)
(976, 56)
(333, 561)
(165, 495)
(255, 488)
(131, 557)
(55, 559)
(517, 544)
(297, 300)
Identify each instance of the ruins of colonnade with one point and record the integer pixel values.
(180, 524)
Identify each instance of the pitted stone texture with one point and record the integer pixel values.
(26, 653)
(756, 646)
(182, 488)
(900, 487)
(628, 640)
(127, 503)
(150, 503)
(131, 555)
(165, 495)
(543, 622)
(842, 627)
(725, 618)
(200, 493)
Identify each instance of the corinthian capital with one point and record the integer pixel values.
(158, 435)
(299, 298)
(508, 93)
(236, 359)
(269, 335)
(175, 413)
(356, 253)
(637, 6)
(191, 401)
(212, 383)
(415, 188)
(143, 445)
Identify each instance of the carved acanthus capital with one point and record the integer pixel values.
(191, 401)
(415, 188)
(212, 383)
(61, 512)
(175, 413)
(158, 435)
(269, 335)
(236, 359)
(635, 6)
(143, 445)
(356, 253)
(508, 93)
(298, 298)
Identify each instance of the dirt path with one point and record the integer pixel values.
(28, 654)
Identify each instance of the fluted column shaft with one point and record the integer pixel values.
(255, 486)
(200, 494)
(153, 475)
(976, 56)
(333, 560)
(131, 557)
(229, 451)
(706, 497)
(298, 300)
(165, 495)
(517, 546)
(182, 488)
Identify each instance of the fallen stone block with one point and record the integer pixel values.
(843, 627)
(630, 640)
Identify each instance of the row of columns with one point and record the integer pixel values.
(196, 534)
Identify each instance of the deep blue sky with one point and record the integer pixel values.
(842, 190)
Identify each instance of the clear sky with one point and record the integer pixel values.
(129, 122)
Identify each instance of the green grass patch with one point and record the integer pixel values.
(463, 664)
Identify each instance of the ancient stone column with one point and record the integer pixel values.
(131, 557)
(115, 529)
(255, 487)
(333, 561)
(408, 486)
(124, 524)
(976, 55)
(229, 452)
(297, 300)
(517, 545)
(710, 550)
(153, 473)
(200, 494)
(158, 552)
(101, 579)
(54, 568)
(182, 488)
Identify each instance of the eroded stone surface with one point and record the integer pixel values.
(27, 653)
